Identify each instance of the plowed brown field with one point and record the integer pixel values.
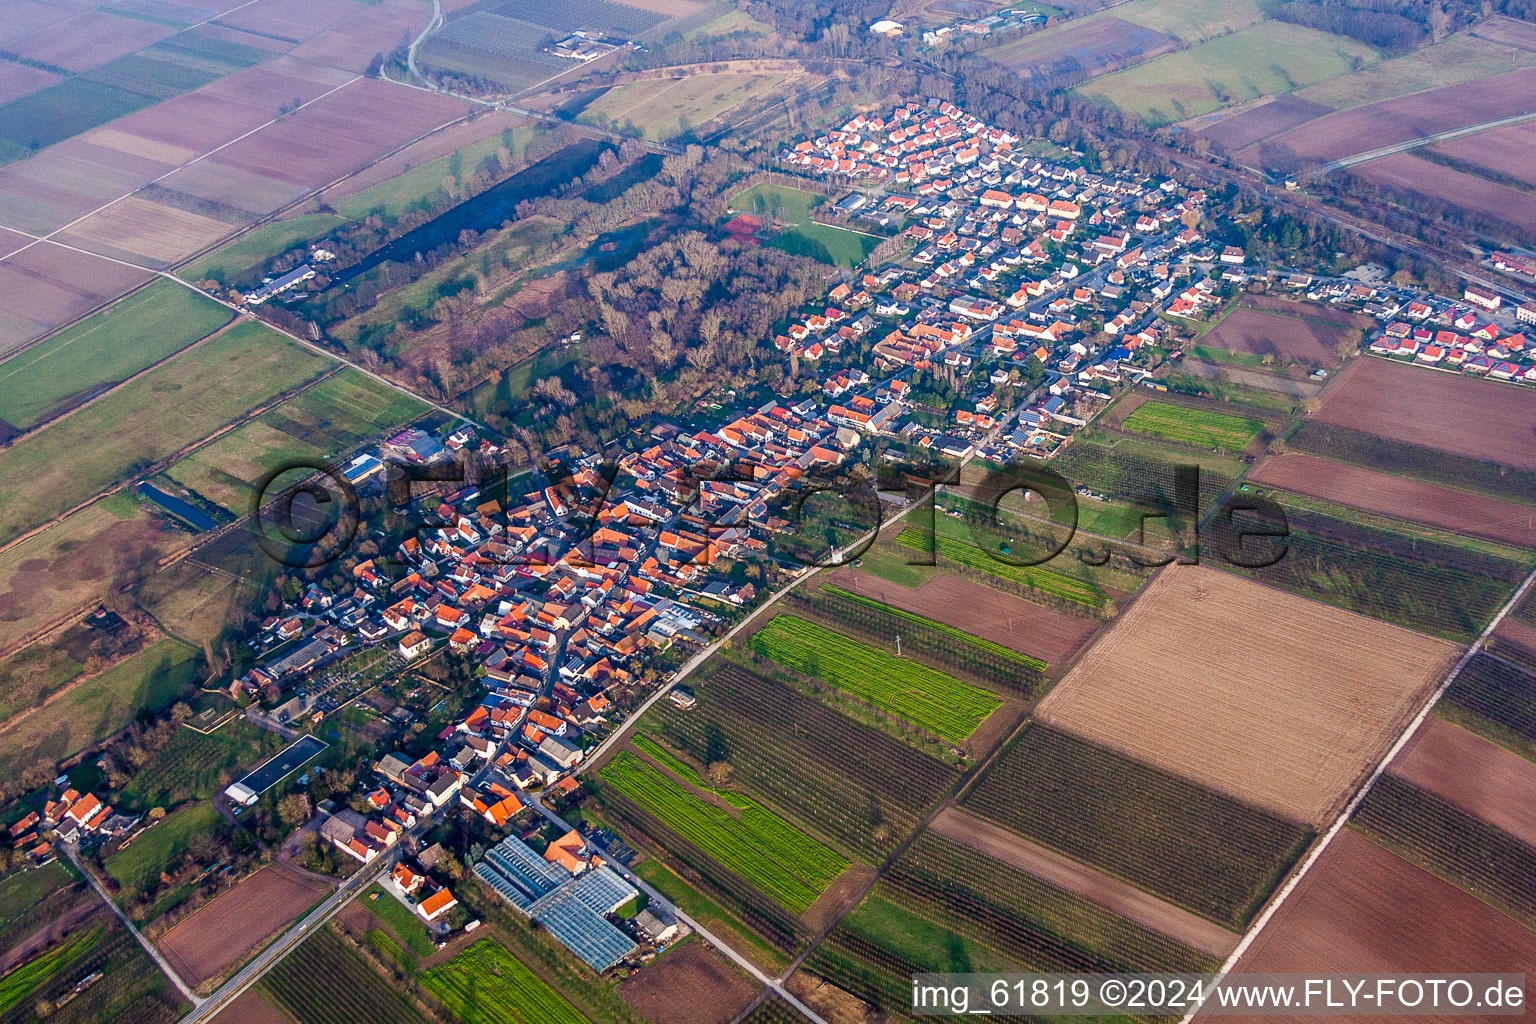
(1432, 410)
(990, 614)
(1362, 909)
(1265, 696)
(1480, 777)
(1400, 497)
(217, 937)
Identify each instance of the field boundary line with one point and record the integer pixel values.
(1319, 847)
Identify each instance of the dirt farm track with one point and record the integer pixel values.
(1273, 699)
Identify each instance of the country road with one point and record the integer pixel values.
(1423, 140)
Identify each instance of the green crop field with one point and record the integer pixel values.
(1036, 577)
(404, 923)
(173, 405)
(104, 349)
(228, 264)
(1455, 59)
(487, 985)
(328, 419)
(777, 202)
(1194, 426)
(837, 246)
(324, 982)
(1195, 847)
(93, 710)
(1190, 21)
(923, 696)
(160, 846)
(1268, 58)
(19, 983)
(748, 839)
(948, 632)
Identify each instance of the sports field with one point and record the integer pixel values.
(748, 839)
(1270, 57)
(108, 347)
(923, 696)
(1194, 426)
(176, 404)
(777, 202)
(837, 246)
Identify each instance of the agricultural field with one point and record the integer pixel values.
(188, 767)
(28, 898)
(1410, 173)
(777, 202)
(1189, 21)
(1476, 53)
(1192, 846)
(324, 982)
(1133, 904)
(1141, 471)
(991, 615)
(1498, 153)
(1444, 584)
(928, 699)
(131, 988)
(1288, 719)
(1477, 776)
(717, 991)
(106, 348)
(664, 110)
(1287, 333)
(1362, 908)
(1269, 57)
(487, 985)
(318, 425)
(1389, 121)
(1495, 699)
(177, 403)
(1094, 46)
(1194, 426)
(1444, 837)
(47, 286)
(90, 711)
(838, 246)
(1400, 497)
(139, 863)
(806, 759)
(1409, 404)
(954, 545)
(1257, 121)
(747, 839)
(217, 936)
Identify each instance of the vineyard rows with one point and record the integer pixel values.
(869, 620)
(1035, 577)
(1426, 586)
(324, 982)
(1485, 861)
(1035, 923)
(1396, 456)
(923, 696)
(767, 918)
(881, 978)
(131, 989)
(487, 985)
(1499, 692)
(945, 632)
(754, 843)
(1194, 847)
(807, 759)
(774, 1010)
